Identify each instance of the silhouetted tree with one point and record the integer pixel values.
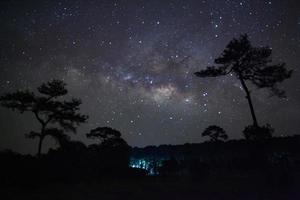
(103, 134)
(48, 109)
(258, 132)
(113, 151)
(251, 64)
(107, 136)
(215, 133)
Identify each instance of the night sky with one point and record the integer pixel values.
(132, 64)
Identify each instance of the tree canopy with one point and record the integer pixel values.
(249, 64)
(107, 136)
(215, 133)
(48, 109)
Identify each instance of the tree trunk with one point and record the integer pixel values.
(41, 138)
(248, 97)
(41, 141)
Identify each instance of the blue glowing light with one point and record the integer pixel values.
(149, 165)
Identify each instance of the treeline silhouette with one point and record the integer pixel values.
(272, 163)
(275, 161)
(72, 161)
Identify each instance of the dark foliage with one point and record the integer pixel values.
(73, 161)
(107, 136)
(215, 133)
(169, 167)
(271, 164)
(104, 134)
(112, 152)
(258, 132)
(48, 109)
(272, 160)
(252, 64)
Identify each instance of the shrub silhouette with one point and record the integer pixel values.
(48, 109)
(104, 134)
(252, 64)
(258, 132)
(112, 152)
(215, 133)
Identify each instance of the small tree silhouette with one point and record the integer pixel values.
(47, 109)
(107, 136)
(113, 151)
(251, 64)
(215, 133)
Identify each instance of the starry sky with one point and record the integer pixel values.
(132, 63)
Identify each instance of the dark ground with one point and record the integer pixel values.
(239, 188)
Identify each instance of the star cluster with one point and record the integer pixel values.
(132, 64)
